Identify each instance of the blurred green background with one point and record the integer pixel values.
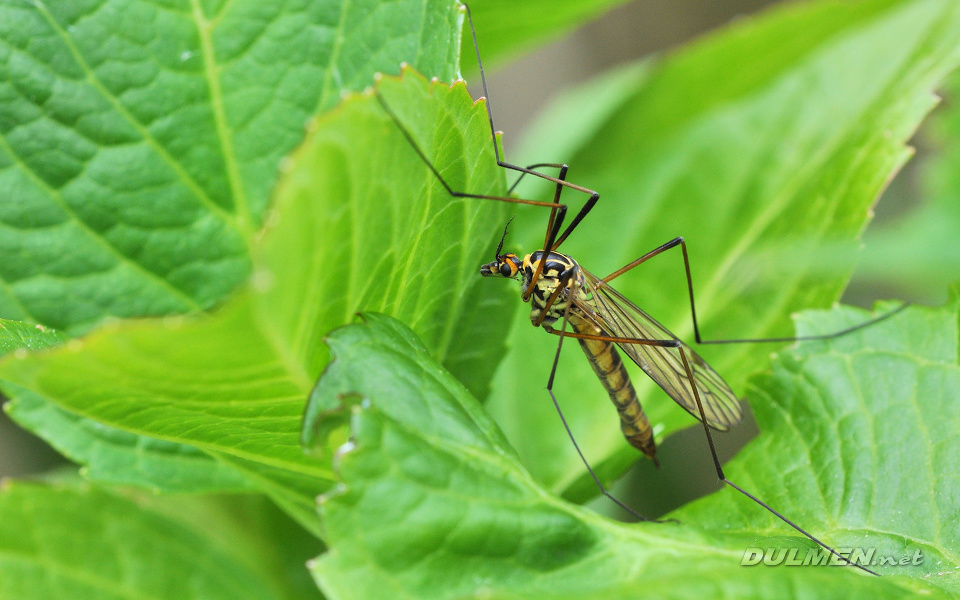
(910, 249)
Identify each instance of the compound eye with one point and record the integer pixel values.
(506, 269)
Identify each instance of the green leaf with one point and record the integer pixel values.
(866, 439)
(65, 542)
(140, 141)
(528, 24)
(913, 251)
(372, 229)
(179, 383)
(434, 403)
(112, 455)
(781, 130)
(233, 384)
(433, 505)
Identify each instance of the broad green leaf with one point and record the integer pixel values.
(111, 455)
(371, 228)
(139, 142)
(862, 439)
(434, 506)
(779, 130)
(505, 28)
(386, 359)
(915, 252)
(180, 383)
(233, 384)
(138, 145)
(65, 542)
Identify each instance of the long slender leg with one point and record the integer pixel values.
(560, 209)
(723, 478)
(594, 196)
(703, 418)
(696, 394)
(580, 215)
(679, 241)
(443, 182)
(553, 372)
(554, 223)
(534, 166)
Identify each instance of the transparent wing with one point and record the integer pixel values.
(618, 317)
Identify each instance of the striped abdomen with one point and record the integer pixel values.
(606, 363)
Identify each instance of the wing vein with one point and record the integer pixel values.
(618, 317)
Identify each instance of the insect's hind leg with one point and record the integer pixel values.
(679, 241)
(723, 477)
(553, 373)
(603, 490)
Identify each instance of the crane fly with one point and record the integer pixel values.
(602, 320)
(601, 317)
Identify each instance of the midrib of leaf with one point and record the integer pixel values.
(244, 221)
(787, 418)
(847, 361)
(257, 458)
(446, 336)
(440, 256)
(842, 500)
(829, 514)
(298, 377)
(201, 196)
(94, 235)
